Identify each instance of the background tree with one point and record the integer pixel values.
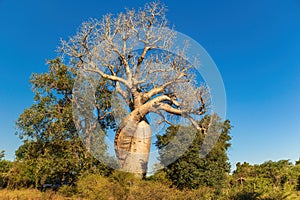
(296, 172)
(52, 149)
(191, 171)
(269, 180)
(148, 80)
(5, 166)
(2, 154)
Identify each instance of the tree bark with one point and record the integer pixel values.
(132, 146)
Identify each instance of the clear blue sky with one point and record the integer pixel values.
(255, 44)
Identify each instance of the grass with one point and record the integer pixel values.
(30, 194)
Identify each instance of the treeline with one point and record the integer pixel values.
(270, 180)
(53, 153)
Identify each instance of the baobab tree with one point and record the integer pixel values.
(135, 53)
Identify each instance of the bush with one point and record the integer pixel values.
(94, 187)
(4, 169)
(117, 186)
(161, 177)
(67, 191)
(20, 176)
(151, 190)
(29, 194)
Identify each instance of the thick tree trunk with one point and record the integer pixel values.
(132, 146)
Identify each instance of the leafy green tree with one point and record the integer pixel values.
(52, 148)
(296, 171)
(5, 165)
(21, 175)
(270, 180)
(2, 154)
(191, 171)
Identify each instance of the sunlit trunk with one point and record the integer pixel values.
(132, 146)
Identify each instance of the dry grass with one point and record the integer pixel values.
(30, 194)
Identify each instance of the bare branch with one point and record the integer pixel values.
(148, 81)
(161, 88)
(164, 119)
(170, 109)
(107, 76)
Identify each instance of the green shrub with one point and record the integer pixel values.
(94, 187)
(67, 191)
(4, 169)
(21, 176)
(151, 190)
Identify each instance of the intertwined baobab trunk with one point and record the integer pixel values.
(132, 144)
(133, 138)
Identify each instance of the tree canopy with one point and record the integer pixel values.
(52, 149)
(191, 171)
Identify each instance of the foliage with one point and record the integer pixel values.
(249, 182)
(270, 180)
(2, 154)
(191, 171)
(21, 175)
(94, 186)
(5, 166)
(30, 194)
(161, 177)
(124, 186)
(52, 149)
